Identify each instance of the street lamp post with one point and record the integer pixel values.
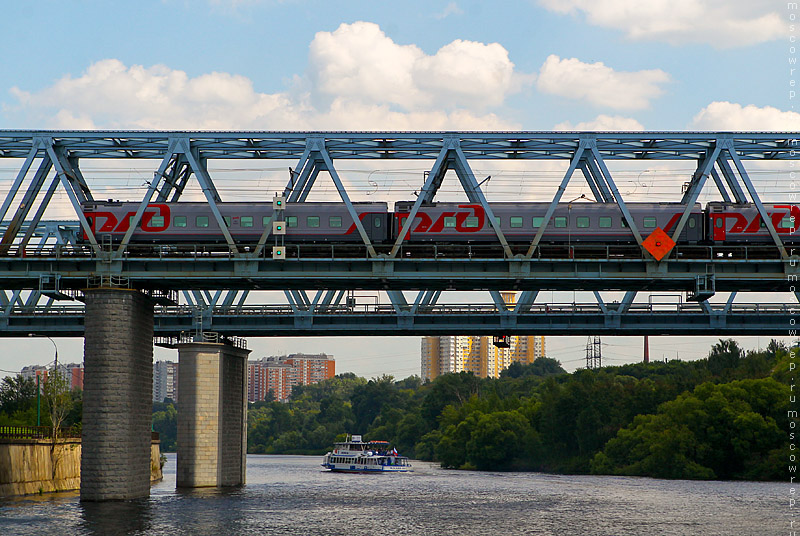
(38, 376)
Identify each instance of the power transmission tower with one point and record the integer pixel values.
(594, 356)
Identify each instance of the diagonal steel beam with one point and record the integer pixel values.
(730, 178)
(606, 175)
(429, 188)
(720, 185)
(576, 158)
(297, 180)
(26, 203)
(39, 213)
(74, 190)
(475, 195)
(591, 181)
(525, 300)
(698, 181)
(729, 145)
(210, 192)
(158, 178)
(23, 172)
(343, 194)
(499, 302)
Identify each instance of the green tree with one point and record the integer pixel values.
(17, 393)
(57, 399)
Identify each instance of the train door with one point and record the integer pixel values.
(718, 223)
(375, 226)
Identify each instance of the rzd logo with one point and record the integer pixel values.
(427, 225)
(107, 222)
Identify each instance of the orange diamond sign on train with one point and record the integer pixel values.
(658, 244)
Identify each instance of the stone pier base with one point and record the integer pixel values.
(212, 415)
(117, 395)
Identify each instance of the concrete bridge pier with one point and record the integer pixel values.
(212, 415)
(117, 395)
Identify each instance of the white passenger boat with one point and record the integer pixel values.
(356, 456)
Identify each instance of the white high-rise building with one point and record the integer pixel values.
(476, 354)
(165, 381)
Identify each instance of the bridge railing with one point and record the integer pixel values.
(578, 251)
(438, 309)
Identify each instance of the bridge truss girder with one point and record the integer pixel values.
(34, 275)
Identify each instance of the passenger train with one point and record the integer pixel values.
(441, 222)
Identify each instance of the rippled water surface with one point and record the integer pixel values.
(292, 495)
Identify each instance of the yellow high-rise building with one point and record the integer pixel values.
(477, 354)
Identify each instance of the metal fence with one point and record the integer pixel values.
(36, 432)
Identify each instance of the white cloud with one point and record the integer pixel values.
(451, 9)
(599, 84)
(358, 79)
(719, 23)
(723, 115)
(603, 123)
(360, 61)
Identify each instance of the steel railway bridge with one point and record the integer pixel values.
(204, 288)
(121, 296)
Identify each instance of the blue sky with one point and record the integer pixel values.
(414, 65)
(690, 55)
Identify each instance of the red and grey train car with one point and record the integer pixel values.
(443, 222)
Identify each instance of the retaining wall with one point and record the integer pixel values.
(30, 466)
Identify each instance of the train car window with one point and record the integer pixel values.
(130, 221)
(471, 221)
(537, 222)
(692, 223)
(227, 220)
(265, 220)
(90, 220)
(291, 221)
(787, 222)
(449, 221)
(561, 221)
(582, 222)
(649, 223)
(201, 221)
(246, 221)
(376, 222)
(719, 222)
(179, 221)
(516, 221)
(605, 222)
(157, 221)
(312, 221)
(763, 225)
(335, 221)
(624, 222)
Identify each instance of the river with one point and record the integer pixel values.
(292, 495)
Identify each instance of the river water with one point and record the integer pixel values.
(292, 495)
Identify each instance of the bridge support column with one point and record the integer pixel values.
(212, 415)
(117, 395)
